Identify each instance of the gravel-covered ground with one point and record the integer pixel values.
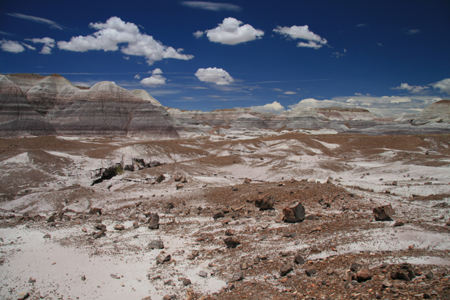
(70, 231)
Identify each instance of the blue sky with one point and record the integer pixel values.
(387, 56)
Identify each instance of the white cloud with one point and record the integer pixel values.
(290, 93)
(411, 88)
(49, 43)
(198, 34)
(29, 47)
(443, 85)
(155, 79)
(11, 46)
(38, 20)
(216, 75)
(137, 76)
(115, 32)
(211, 5)
(231, 32)
(274, 107)
(303, 33)
(413, 31)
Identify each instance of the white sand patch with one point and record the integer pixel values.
(58, 270)
(22, 158)
(328, 145)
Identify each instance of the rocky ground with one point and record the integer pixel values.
(279, 216)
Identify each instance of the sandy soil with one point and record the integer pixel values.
(49, 186)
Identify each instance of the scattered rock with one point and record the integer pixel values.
(162, 258)
(156, 244)
(179, 186)
(247, 180)
(294, 213)
(231, 242)
(383, 213)
(119, 227)
(47, 236)
(23, 295)
(153, 221)
(95, 210)
(403, 271)
(31, 280)
(237, 277)
(115, 276)
(299, 260)
(218, 214)
(265, 203)
(310, 272)
(99, 234)
(160, 178)
(398, 223)
(363, 275)
(203, 274)
(285, 269)
(186, 281)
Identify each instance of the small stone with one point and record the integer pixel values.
(162, 258)
(100, 226)
(265, 203)
(285, 269)
(83, 278)
(47, 236)
(299, 260)
(244, 266)
(156, 244)
(203, 274)
(247, 180)
(119, 227)
(218, 214)
(231, 242)
(23, 295)
(115, 276)
(237, 276)
(99, 234)
(404, 271)
(160, 178)
(355, 267)
(153, 221)
(363, 275)
(95, 210)
(383, 213)
(179, 186)
(294, 213)
(135, 224)
(386, 283)
(229, 232)
(31, 280)
(398, 223)
(186, 281)
(310, 272)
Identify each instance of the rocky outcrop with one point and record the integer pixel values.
(51, 105)
(438, 112)
(17, 115)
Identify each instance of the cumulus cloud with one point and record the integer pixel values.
(11, 46)
(231, 32)
(443, 85)
(302, 32)
(38, 20)
(411, 88)
(114, 32)
(215, 75)
(155, 79)
(274, 107)
(49, 44)
(211, 5)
